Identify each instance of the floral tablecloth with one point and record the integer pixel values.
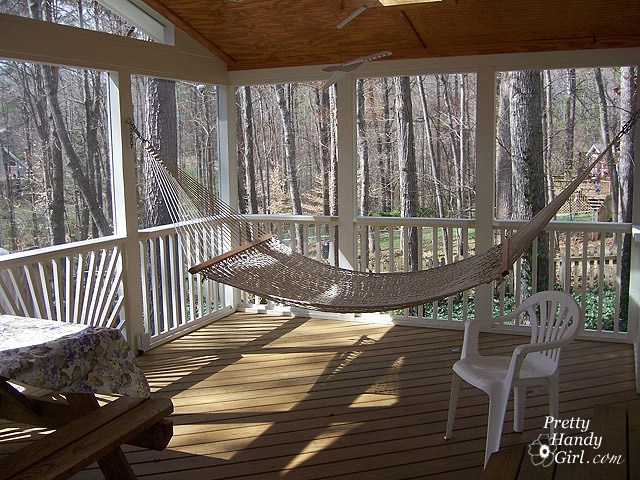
(68, 357)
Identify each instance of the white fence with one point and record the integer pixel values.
(584, 260)
(318, 235)
(79, 282)
(82, 282)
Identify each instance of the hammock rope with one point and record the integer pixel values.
(225, 246)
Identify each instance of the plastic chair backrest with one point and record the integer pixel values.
(554, 317)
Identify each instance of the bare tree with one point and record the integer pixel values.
(570, 115)
(504, 204)
(626, 165)
(363, 156)
(549, 133)
(433, 162)
(283, 93)
(605, 134)
(248, 152)
(324, 126)
(162, 130)
(528, 167)
(407, 164)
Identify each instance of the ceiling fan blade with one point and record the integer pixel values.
(368, 58)
(352, 65)
(353, 15)
(339, 71)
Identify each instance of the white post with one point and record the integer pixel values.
(125, 213)
(634, 281)
(346, 117)
(485, 178)
(228, 158)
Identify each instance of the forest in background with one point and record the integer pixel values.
(415, 141)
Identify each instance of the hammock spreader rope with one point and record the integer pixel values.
(264, 266)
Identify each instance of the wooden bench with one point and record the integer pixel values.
(619, 428)
(96, 435)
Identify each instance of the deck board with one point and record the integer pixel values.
(260, 397)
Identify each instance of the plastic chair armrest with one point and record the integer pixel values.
(521, 351)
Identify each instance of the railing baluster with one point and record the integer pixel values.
(57, 288)
(29, 272)
(584, 286)
(465, 254)
(45, 281)
(534, 266)
(6, 294)
(601, 278)
(619, 240)
(434, 251)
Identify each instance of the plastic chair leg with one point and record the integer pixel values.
(554, 399)
(519, 399)
(497, 409)
(453, 404)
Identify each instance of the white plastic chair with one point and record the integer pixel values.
(555, 320)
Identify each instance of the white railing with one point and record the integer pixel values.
(174, 301)
(77, 282)
(82, 282)
(440, 242)
(584, 261)
(318, 240)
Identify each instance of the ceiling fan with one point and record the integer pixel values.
(339, 71)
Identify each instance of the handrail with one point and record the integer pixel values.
(67, 249)
(324, 219)
(570, 226)
(414, 221)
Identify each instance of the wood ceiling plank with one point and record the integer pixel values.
(272, 33)
(184, 25)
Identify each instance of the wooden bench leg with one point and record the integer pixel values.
(114, 465)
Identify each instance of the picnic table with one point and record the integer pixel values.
(76, 362)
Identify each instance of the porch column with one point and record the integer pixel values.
(485, 178)
(634, 280)
(346, 117)
(228, 158)
(125, 211)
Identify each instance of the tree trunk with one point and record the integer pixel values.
(322, 96)
(388, 182)
(249, 163)
(455, 145)
(73, 160)
(53, 170)
(548, 147)
(605, 135)
(433, 163)
(283, 91)
(28, 155)
(162, 130)
(464, 203)
(627, 104)
(9, 192)
(504, 200)
(528, 166)
(407, 164)
(570, 117)
(243, 195)
(363, 156)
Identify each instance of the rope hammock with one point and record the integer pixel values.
(264, 266)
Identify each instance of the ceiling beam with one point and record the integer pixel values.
(353, 4)
(415, 34)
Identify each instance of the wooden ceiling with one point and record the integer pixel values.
(249, 34)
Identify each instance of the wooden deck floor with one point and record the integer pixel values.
(262, 397)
